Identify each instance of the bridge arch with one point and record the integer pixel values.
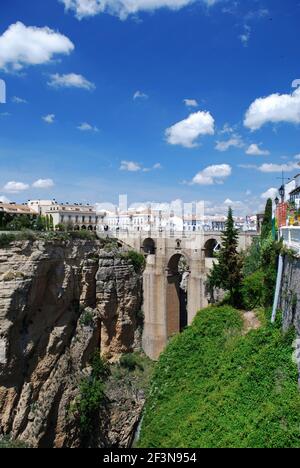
(210, 248)
(149, 246)
(177, 272)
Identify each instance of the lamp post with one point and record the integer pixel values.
(282, 193)
(276, 201)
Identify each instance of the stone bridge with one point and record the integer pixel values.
(177, 265)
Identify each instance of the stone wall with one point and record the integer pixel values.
(289, 301)
(59, 302)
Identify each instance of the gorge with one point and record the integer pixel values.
(60, 302)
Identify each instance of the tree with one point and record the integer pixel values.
(51, 223)
(227, 273)
(40, 224)
(266, 228)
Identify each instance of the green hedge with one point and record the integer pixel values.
(215, 387)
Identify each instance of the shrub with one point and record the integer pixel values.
(252, 257)
(131, 362)
(84, 235)
(215, 387)
(138, 260)
(91, 395)
(253, 290)
(6, 240)
(86, 319)
(7, 443)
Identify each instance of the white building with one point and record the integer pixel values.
(294, 195)
(77, 215)
(157, 220)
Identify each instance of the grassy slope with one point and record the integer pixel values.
(214, 387)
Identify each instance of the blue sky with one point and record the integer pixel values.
(105, 82)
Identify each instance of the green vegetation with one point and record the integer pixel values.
(249, 278)
(135, 377)
(8, 443)
(138, 260)
(6, 240)
(28, 235)
(227, 272)
(91, 395)
(266, 228)
(216, 387)
(86, 319)
(132, 361)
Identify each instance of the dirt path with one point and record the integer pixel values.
(251, 322)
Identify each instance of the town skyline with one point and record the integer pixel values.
(146, 108)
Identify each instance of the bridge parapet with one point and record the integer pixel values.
(291, 237)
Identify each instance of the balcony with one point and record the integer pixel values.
(291, 237)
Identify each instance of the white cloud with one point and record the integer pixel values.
(269, 168)
(43, 183)
(130, 166)
(187, 131)
(21, 46)
(235, 142)
(254, 150)
(212, 174)
(296, 83)
(227, 129)
(140, 95)
(15, 187)
(86, 127)
(271, 193)
(18, 100)
(4, 199)
(124, 8)
(274, 108)
(245, 37)
(49, 119)
(70, 80)
(190, 102)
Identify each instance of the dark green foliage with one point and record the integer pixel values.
(60, 227)
(227, 273)
(83, 235)
(7, 443)
(270, 251)
(91, 395)
(10, 222)
(86, 319)
(51, 224)
(6, 240)
(253, 290)
(252, 257)
(216, 387)
(266, 228)
(131, 361)
(40, 224)
(138, 260)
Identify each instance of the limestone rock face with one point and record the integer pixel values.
(59, 302)
(289, 301)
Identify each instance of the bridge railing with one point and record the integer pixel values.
(163, 233)
(291, 237)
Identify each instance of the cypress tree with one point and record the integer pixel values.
(266, 228)
(227, 273)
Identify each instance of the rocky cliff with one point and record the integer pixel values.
(290, 293)
(59, 302)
